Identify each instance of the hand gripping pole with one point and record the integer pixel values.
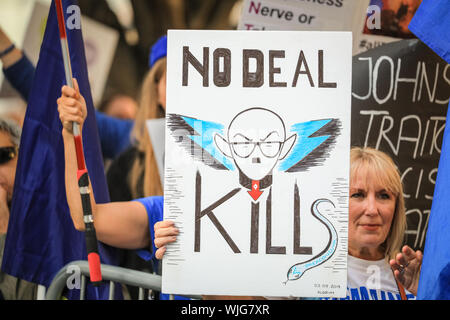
(82, 173)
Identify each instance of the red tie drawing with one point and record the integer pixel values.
(255, 193)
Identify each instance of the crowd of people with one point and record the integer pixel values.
(134, 217)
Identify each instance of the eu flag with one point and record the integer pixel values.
(431, 24)
(41, 237)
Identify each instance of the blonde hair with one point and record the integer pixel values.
(144, 177)
(381, 166)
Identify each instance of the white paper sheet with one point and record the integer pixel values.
(156, 130)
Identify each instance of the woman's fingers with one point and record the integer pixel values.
(68, 101)
(72, 93)
(165, 228)
(69, 106)
(401, 260)
(160, 253)
(406, 266)
(75, 85)
(163, 224)
(419, 257)
(411, 255)
(69, 92)
(161, 242)
(70, 114)
(164, 232)
(406, 257)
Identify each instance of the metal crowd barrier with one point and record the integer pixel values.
(113, 274)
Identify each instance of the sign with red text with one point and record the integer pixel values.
(257, 162)
(323, 15)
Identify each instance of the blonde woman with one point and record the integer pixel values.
(377, 223)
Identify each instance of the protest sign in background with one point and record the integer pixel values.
(331, 15)
(100, 44)
(399, 105)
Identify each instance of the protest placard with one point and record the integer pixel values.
(399, 105)
(257, 162)
(304, 15)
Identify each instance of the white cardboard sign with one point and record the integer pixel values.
(304, 15)
(257, 162)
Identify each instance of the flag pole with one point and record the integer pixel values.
(82, 173)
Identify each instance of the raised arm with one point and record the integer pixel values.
(13, 55)
(114, 133)
(119, 224)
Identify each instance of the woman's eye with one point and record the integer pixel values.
(357, 195)
(384, 196)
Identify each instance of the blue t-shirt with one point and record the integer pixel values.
(154, 206)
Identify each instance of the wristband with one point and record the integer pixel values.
(7, 50)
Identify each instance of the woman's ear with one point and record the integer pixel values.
(222, 145)
(287, 146)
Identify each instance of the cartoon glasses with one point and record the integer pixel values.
(7, 154)
(269, 149)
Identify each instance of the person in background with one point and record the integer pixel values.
(19, 71)
(377, 223)
(11, 288)
(119, 106)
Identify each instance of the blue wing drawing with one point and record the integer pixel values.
(314, 142)
(197, 138)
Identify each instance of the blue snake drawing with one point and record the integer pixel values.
(297, 270)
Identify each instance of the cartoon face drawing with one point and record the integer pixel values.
(256, 141)
(255, 144)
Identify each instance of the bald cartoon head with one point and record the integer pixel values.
(256, 141)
